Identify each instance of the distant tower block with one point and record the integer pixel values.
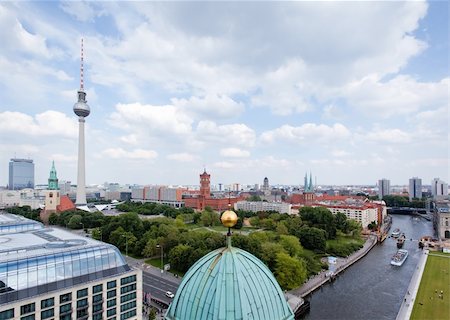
(82, 110)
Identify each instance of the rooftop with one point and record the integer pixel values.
(41, 259)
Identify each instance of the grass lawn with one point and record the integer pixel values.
(340, 239)
(427, 304)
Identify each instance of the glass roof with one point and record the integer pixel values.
(33, 258)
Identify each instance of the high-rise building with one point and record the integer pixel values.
(415, 188)
(439, 188)
(55, 274)
(82, 110)
(384, 188)
(21, 174)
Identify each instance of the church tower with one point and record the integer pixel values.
(52, 195)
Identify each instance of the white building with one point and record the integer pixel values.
(439, 189)
(362, 214)
(256, 206)
(19, 198)
(415, 188)
(384, 188)
(49, 273)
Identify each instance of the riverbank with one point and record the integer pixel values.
(341, 264)
(408, 301)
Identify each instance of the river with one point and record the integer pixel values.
(372, 288)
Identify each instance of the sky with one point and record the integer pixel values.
(351, 91)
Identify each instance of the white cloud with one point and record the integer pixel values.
(48, 123)
(283, 90)
(182, 157)
(388, 136)
(154, 120)
(16, 39)
(81, 10)
(237, 134)
(234, 153)
(401, 95)
(306, 133)
(340, 153)
(136, 154)
(130, 139)
(224, 165)
(58, 157)
(210, 107)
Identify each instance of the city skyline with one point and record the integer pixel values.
(246, 90)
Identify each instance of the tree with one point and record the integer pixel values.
(291, 244)
(75, 222)
(269, 251)
(341, 221)
(96, 234)
(373, 226)
(179, 257)
(254, 197)
(313, 238)
(281, 228)
(150, 249)
(53, 219)
(210, 218)
(152, 314)
(290, 272)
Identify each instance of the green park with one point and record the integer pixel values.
(293, 247)
(433, 298)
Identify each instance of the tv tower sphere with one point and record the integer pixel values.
(81, 108)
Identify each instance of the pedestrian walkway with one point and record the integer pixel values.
(341, 264)
(410, 296)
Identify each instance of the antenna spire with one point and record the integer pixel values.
(82, 67)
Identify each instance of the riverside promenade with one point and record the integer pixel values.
(408, 302)
(341, 264)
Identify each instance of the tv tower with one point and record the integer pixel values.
(82, 110)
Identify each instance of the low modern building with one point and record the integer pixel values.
(49, 273)
(257, 206)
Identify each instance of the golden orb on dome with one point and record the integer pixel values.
(229, 218)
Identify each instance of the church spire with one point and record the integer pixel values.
(53, 179)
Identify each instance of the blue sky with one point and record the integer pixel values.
(352, 91)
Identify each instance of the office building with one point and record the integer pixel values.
(415, 188)
(439, 189)
(384, 188)
(21, 174)
(49, 273)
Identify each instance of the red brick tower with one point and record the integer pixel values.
(205, 186)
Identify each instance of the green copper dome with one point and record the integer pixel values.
(229, 283)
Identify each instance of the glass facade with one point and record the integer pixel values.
(29, 276)
(14, 228)
(21, 174)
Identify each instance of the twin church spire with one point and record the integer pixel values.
(308, 186)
